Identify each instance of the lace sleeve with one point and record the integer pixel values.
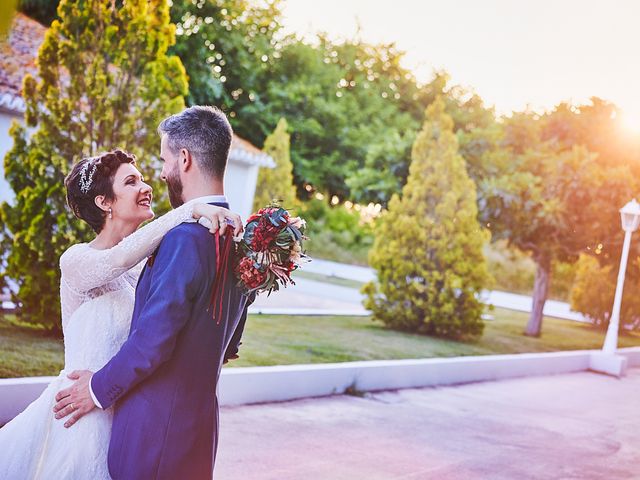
(85, 268)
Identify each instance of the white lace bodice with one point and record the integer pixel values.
(97, 291)
(88, 273)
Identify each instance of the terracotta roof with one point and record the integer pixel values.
(18, 54)
(244, 151)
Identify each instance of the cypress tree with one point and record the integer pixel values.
(428, 245)
(104, 81)
(277, 183)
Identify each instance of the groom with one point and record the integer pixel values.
(162, 383)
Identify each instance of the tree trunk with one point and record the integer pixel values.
(540, 291)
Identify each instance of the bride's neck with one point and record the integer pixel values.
(112, 234)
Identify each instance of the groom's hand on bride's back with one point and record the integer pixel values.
(75, 400)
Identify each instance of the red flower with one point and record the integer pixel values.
(250, 276)
(264, 234)
(276, 261)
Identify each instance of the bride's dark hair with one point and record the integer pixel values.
(91, 177)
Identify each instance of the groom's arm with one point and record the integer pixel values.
(231, 352)
(175, 279)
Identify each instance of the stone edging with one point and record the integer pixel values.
(241, 386)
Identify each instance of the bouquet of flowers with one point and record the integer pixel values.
(270, 250)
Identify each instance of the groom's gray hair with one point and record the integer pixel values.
(205, 132)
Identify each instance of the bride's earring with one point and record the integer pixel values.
(110, 213)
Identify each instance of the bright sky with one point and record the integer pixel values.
(513, 53)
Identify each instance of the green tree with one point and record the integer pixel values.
(104, 81)
(353, 110)
(276, 183)
(376, 93)
(428, 246)
(550, 200)
(226, 47)
(596, 125)
(302, 88)
(344, 105)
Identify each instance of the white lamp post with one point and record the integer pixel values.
(630, 214)
(608, 361)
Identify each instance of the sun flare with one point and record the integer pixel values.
(630, 120)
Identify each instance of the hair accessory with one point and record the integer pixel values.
(87, 180)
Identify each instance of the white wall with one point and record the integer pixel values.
(6, 142)
(239, 386)
(239, 187)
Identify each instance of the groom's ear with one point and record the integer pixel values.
(186, 160)
(101, 203)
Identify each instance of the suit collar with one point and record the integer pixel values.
(211, 199)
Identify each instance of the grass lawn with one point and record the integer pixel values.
(278, 340)
(26, 352)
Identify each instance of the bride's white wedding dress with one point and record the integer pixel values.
(97, 292)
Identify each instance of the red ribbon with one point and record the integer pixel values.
(217, 292)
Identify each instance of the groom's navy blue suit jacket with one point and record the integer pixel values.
(163, 380)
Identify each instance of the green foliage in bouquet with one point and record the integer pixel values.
(277, 183)
(270, 249)
(428, 246)
(104, 81)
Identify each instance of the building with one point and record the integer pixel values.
(18, 53)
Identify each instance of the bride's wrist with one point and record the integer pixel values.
(197, 210)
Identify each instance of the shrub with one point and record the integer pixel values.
(336, 232)
(276, 183)
(428, 246)
(594, 290)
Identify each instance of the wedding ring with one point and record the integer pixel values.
(72, 407)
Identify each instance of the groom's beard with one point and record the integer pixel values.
(174, 184)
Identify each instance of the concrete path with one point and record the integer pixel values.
(577, 426)
(522, 303)
(309, 297)
(341, 270)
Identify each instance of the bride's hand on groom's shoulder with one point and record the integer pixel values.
(75, 400)
(219, 218)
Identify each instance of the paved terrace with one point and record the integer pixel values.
(576, 426)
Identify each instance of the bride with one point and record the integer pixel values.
(97, 289)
